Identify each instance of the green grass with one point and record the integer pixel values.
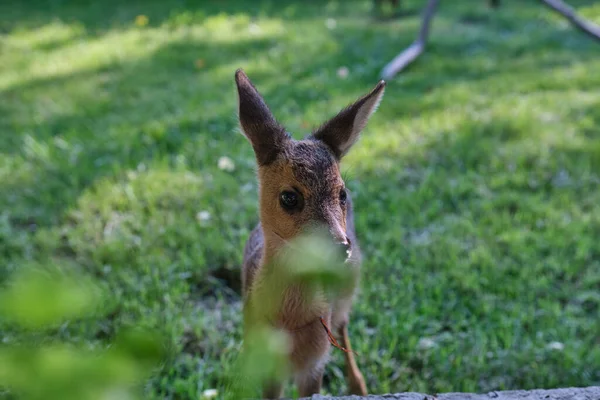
(477, 183)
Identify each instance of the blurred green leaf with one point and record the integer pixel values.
(146, 347)
(36, 297)
(263, 359)
(313, 258)
(60, 371)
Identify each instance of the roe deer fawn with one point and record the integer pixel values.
(300, 186)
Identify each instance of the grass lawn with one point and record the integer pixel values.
(477, 182)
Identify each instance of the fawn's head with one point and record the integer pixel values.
(300, 182)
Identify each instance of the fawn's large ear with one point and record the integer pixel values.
(342, 131)
(265, 134)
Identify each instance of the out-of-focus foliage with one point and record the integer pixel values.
(35, 298)
(310, 260)
(263, 360)
(44, 369)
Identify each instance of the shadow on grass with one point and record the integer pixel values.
(111, 125)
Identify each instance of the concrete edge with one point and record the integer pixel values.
(572, 393)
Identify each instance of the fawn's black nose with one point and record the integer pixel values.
(345, 248)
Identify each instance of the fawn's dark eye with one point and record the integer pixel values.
(290, 200)
(343, 196)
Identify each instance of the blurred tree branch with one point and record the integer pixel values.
(417, 48)
(569, 13)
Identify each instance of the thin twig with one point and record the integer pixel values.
(416, 48)
(569, 13)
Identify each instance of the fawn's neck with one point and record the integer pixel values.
(280, 299)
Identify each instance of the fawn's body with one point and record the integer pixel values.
(300, 187)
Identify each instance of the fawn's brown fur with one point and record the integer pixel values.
(300, 187)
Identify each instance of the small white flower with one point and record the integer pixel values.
(203, 216)
(426, 343)
(343, 72)
(330, 23)
(226, 164)
(209, 394)
(180, 160)
(254, 29)
(370, 331)
(562, 179)
(556, 346)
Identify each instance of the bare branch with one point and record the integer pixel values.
(585, 26)
(416, 48)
